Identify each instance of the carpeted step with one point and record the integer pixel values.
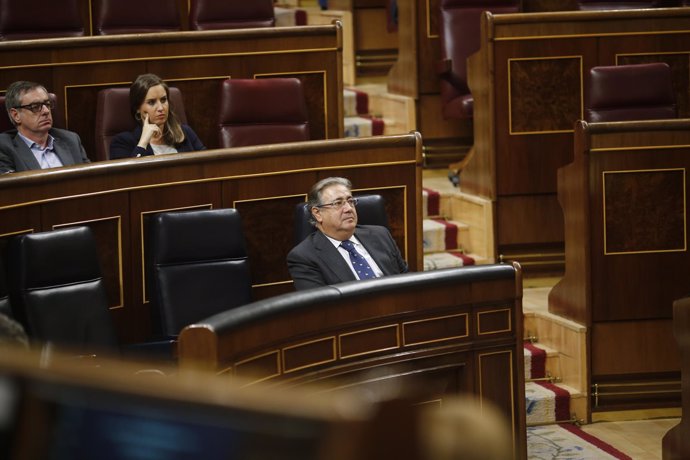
(568, 441)
(363, 126)
(546, 402)
(355, 102)
(449, 259)
(535, 361)
(289, 17)
(440, 235)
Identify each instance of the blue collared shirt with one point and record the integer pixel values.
(46, 157)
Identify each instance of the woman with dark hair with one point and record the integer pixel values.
(158, 129)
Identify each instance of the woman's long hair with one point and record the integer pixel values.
(172, 132)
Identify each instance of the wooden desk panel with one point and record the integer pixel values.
(116, 197)
(625, 206)
(528, 86)
(197, 62)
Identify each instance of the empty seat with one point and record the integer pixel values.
(113, 116)
(630, 92)
(56, 19)
(230, 14)
(135, 16)
(57, 290)
(371, 210)
(263, 111)
(459, 38)
(198, 265)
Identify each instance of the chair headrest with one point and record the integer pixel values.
(184, 236)
(630, 92)
(54, 258)
(134, 16)
(212, 14)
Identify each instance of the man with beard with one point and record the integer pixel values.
(35, 144)
(340, 250)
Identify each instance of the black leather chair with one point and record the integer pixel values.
(371, 210)
(57, 290)
(630, 92)
(198, 265)
(5, 307)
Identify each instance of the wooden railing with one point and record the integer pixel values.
(435, 333)
(115, 198)
(195, 61)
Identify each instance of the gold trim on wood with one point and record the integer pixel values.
(362, 331)
(256, 357)
(660, 53)
(169, 57)
(510, 99)
(119, 250)
(144, 294)
(638, 148)
(510, 379)
(604, 34)
(315, 363)
(428, 20)
(18, 232)
(210, 179)
(479, 325)
(436, 318)
(603, 207)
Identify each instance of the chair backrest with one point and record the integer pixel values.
(262, 111)
(230, 14)
(57, 290)
(113, 116)
(5, 123)
(630, 92)
(135, 16)
(56, 19)
(198, 265)
(5, 307)
(589, 5)
(459, 38)
(371, 210)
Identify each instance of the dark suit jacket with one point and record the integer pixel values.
(16, 156)
(316, 262)
(124, 145)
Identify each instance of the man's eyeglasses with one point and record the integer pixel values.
(36, 107)
(337, 204)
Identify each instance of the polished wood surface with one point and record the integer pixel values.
(624, 202)
(265, 183)
(195, 61)
(676, 442)
(439, 338)
(528, 85)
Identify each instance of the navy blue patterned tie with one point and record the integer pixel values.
(359, 263)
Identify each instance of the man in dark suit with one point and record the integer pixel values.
(340, 250)
(35, 144)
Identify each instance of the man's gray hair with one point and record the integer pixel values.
(13, 96)
(314, 197)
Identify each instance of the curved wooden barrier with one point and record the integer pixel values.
(438, 333)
